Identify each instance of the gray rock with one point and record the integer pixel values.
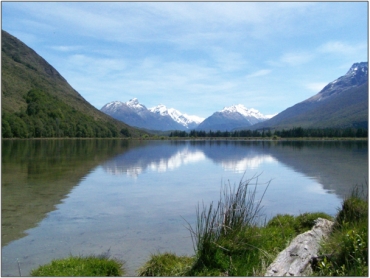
(295, 259)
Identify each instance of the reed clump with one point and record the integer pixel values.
(226, 229)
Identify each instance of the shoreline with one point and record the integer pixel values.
(200, 139)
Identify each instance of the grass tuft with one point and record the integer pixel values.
(166, 264)
(81, 266)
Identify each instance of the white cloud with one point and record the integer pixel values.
(65, 48)
(296, 58)
(259, 73)
(341, 48)
(316, 87)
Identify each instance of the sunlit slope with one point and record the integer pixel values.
(23, 70)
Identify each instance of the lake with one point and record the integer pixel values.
(131, 199)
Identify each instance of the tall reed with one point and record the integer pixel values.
(237, 208)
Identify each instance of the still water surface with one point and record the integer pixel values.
(131, 198)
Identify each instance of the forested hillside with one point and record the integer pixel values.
(37, 101)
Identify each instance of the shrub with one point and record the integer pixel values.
(353, 210)
(306, 221)
(345, 253)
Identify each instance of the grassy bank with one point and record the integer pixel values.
(229, 239)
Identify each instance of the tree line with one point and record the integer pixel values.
(47, 116)
(296, 132)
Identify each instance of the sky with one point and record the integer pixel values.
(196, 57)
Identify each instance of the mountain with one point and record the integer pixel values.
(156, 118)
(340, 104)
(188, 121)
(36, 101)
(231, 118)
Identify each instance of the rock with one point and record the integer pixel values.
(295, 259)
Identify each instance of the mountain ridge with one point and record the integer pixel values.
(159, 117)
(232, 117)
(341, 103)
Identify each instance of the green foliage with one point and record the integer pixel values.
(345, 253)
(295, 132)
(166, 264)
(81, 266)
(47, 116)
(227, 239)
(216, 225)
(292, 225)
(353, 210)
(125, 132)
(306, 221)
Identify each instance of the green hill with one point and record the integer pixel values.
(36, 101)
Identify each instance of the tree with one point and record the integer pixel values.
(126, 133)
(6, 130)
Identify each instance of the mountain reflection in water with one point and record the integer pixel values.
(327, 162)
(162, 158)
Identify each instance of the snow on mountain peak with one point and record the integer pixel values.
(113, 104)
(134, 104)
(159, 109)
(176, 115)
(363, 67)
(240, 108)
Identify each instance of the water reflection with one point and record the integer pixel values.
(337, 166)
(159, 158)
(166, 156)
(37, 174)
(240, 166)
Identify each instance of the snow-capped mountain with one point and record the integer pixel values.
(187, 121)
(356, 76)
(232, 117)
(248, 113)
(340, 104)
(155, 118)
(132, 104)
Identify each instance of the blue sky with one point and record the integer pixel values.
(196, 57)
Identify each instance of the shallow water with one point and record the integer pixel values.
(132, 199)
